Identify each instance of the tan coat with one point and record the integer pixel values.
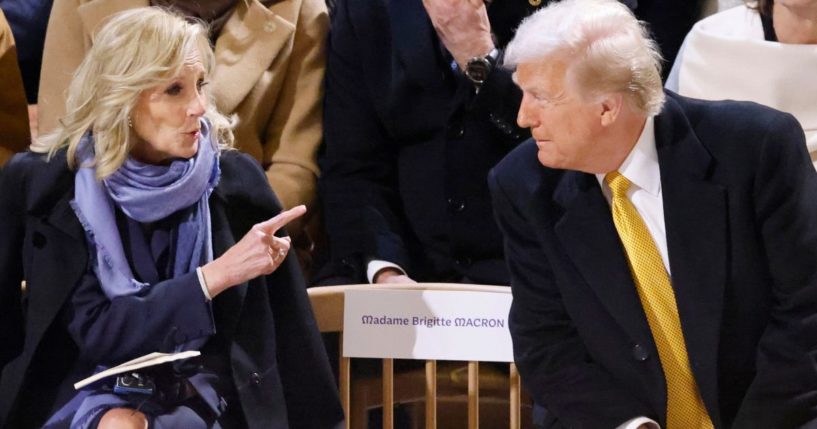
(14, 133)
(269, 71)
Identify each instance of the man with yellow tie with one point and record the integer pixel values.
(662, 250)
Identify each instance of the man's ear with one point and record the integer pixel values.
(610, 108)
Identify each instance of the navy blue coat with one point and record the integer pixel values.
(740, 207)
(278, 365)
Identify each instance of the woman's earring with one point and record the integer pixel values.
(130, 124)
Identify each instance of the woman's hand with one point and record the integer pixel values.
(258, 253)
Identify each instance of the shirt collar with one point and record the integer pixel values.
(641, 165)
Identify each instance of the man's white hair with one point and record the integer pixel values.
(606, 48)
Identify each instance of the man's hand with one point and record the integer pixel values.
(391, 275)
(463, 27)
(258, 253)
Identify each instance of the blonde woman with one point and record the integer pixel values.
(139, 231)
(270, 61)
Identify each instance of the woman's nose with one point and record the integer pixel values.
(197, 106)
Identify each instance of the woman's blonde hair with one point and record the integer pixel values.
(134, 51)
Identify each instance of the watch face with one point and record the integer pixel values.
(477, 70)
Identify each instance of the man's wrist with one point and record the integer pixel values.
(477, 50)
(478, 68)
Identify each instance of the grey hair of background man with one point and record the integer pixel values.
(607, 50)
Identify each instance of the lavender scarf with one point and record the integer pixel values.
(146, 193)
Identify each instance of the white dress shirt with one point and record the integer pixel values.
(377, 265)
(641, 169)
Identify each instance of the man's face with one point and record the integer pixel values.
(564, 126)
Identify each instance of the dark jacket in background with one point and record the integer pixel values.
(29, 20)
(408, 146)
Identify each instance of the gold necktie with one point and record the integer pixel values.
(684, 406)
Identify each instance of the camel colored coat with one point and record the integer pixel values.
(14, 135)
(269, 71)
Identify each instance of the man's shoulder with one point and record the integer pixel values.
(750, 116)
(522, 156)
(730, 122)
(739, 135)
(521, 173)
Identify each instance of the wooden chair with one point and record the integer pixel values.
(328, 306)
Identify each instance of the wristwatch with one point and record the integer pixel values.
(478, 68)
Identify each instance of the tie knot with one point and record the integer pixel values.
(617, 183)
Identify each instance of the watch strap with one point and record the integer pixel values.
(478, 68)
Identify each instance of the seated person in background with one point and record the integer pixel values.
(410, 138)
(270, 60)
(14, 132)
(141, 231)
(764, 52)
(661, 249)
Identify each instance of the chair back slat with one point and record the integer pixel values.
(473, 395)
(344, 377)
(515, 399)
(431, 394)
(388, 393)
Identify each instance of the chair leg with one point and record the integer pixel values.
(431, 394)
(473, 395)
(388, 393)
(515, 398)
(344, 378)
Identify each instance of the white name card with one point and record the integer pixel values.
(426, 324)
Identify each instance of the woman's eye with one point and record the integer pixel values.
(202, 83)
(174, 89)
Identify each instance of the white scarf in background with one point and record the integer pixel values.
(725, 56)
